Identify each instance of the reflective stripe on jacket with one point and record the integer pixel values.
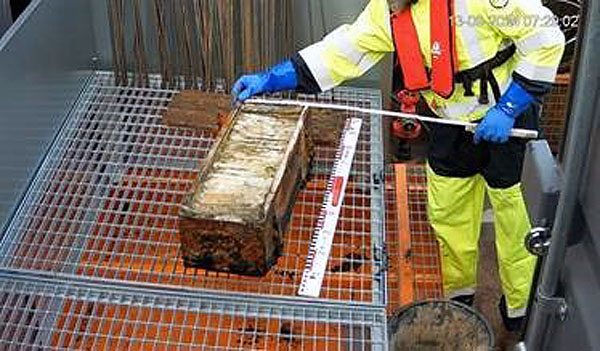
(483, 28)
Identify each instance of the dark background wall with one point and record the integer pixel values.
(17, 6)
(9, 11)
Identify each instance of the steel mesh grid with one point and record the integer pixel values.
(424, 246)
(422, 252)
(553, 121)
(105, 202)
(53, 316)
(393, 243)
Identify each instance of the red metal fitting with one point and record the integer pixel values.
(408, 101)
(407, 129)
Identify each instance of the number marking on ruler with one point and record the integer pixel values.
(320, 246)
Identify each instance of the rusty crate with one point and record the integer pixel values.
(235, 217)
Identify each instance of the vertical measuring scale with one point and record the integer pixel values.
(320, 246)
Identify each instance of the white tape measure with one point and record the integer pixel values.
(320, 246)
(469, 127)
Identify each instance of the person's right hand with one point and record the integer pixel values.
(500, 119)
(278, 78)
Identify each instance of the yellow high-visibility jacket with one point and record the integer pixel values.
(483, 27)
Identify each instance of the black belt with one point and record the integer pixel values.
(484, 73)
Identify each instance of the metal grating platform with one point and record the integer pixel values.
(91, 257)
(52, 315)
(104, 204)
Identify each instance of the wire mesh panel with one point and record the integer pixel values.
(105, 202)
(415, 267)
(553, 122)
(424, 246)
(61, 316)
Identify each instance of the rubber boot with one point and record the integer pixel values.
(511, 324)
(464, 299)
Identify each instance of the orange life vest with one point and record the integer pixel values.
(444, 59)
(444, 64)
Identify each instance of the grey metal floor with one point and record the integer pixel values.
(91, 259)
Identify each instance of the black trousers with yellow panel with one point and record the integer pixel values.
(460, 173)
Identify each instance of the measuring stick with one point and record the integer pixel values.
(470, 127)
(320, 246)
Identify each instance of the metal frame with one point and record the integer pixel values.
(554, 324)
(378, 214)
(42, 76)
(58, 314)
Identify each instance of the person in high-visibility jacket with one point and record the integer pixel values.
(467, 47)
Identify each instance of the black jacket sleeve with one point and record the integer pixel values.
(536, 88)
(306, 81)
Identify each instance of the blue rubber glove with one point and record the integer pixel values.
(500, 119)
(278, 78)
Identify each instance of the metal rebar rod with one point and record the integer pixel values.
(188, 38)
(113, 29)
(223, 33)
(199, 26)
(182, 43)
(208, 37)
(139, 48)
(199, 40)
(116, 16)
(221, 49)
(173, 38)
(230, 46)
(162, 42)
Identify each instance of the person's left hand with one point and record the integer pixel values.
(280, 77)
(248, 86)
(496, 127)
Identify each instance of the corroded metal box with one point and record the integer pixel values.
(235, 217)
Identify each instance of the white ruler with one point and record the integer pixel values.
(320, 247)
(470, 127)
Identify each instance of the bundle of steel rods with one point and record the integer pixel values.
(116, 10)
(197, 44)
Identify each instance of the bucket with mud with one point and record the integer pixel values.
(439, 326)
